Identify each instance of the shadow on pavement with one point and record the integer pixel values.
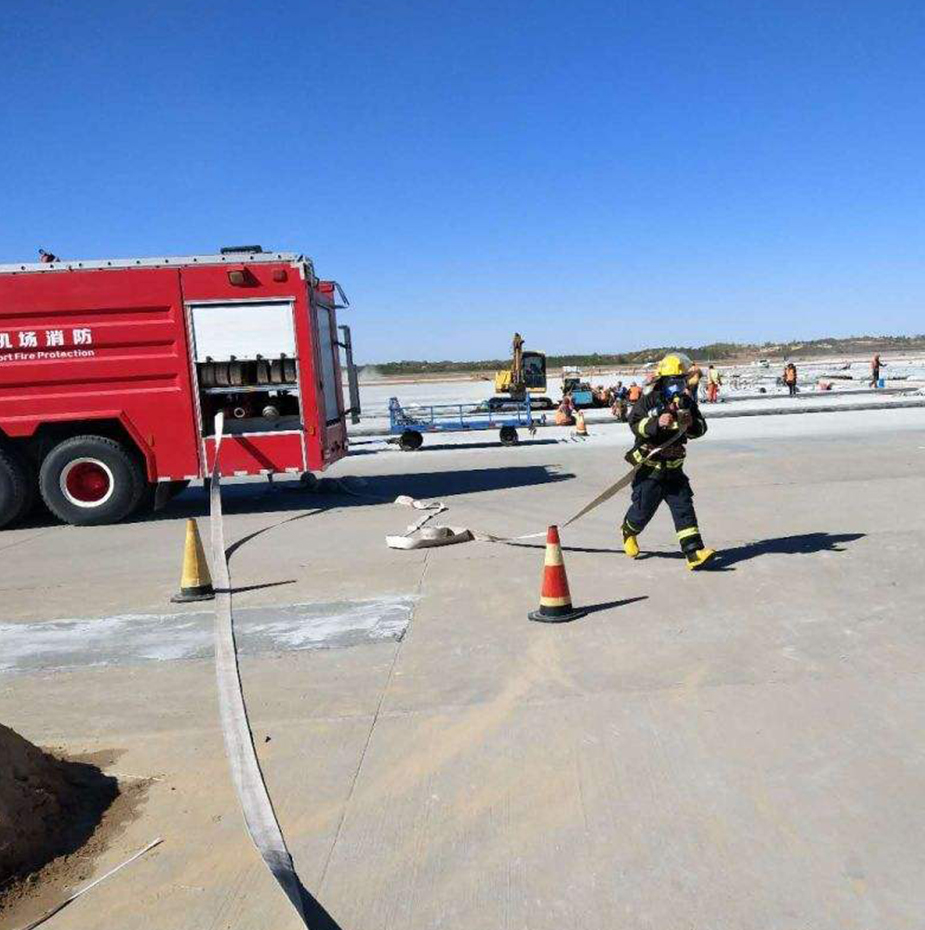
(591, 549)
(255, 587)
(437, 447)
(801, 544)
(596, 608)
(288, 494)
(254, 497)
(230, 551)
(316, 916)
(465, 481)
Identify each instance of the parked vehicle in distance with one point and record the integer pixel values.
(410, 423)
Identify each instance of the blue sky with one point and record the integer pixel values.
(599, 175)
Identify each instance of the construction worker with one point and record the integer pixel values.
(634, 393)
(790, 378)
(565, 413)
(694, 377)
(713, 382)
(517, 369)
(875, 371)
(662, 421)
(618, 408)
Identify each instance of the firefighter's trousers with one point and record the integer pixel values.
(651, 486)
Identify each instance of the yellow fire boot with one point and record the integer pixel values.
(699, 558)
(630, 545)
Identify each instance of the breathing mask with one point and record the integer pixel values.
(675, 389)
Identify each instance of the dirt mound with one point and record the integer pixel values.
(48, 807)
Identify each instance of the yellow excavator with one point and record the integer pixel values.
(527, 375)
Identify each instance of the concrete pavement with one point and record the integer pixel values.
(736, 749)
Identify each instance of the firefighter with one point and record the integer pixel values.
(666, 413)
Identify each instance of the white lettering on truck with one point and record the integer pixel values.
(53, 338)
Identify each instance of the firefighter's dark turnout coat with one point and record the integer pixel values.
(662, 478)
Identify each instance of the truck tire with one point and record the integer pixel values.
(508, 436)
(89, 480)
(410, 440)
(17, 488)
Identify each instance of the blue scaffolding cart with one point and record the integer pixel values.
(411, 422)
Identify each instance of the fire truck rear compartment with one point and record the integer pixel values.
(246, 366)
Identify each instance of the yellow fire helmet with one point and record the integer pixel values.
(673, 365)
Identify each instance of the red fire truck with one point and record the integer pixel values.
(112, 372)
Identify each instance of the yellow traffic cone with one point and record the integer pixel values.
(196, 580)
(580, 428)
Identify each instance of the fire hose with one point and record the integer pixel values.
(417, 536)
(259, 816)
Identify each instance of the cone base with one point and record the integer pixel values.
(552, 615)
(204, 593)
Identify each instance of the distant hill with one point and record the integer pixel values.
(713, 352)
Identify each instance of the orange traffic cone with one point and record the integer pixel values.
(580, 428)
(555, 600)
(195, 579)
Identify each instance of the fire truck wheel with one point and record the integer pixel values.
(91, 480)
(17, 488)
(410, 440)
(509, 436)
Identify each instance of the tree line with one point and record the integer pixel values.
(713, 351)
